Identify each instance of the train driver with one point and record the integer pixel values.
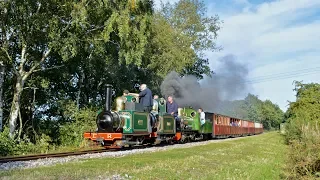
(146, 98)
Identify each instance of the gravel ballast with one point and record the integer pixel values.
(61, 160)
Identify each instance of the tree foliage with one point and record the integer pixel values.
(182, 32)
(303, 132)
(42, 35)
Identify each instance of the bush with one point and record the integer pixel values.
(303, 133)
(6, 144)
(71, 133)
(43, 143)
(21, 146)
(304, 154)
(68, 132)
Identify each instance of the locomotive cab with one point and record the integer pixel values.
(122, 100)
(128, 109)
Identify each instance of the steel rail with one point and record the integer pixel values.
(51, 155)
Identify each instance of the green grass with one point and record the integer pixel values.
(256, 157)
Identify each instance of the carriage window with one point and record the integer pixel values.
(193, 114)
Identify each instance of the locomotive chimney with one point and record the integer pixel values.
(108, 97)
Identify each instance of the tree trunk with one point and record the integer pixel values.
(15, 106)
(2, 72)
(80, 83)
(22, 76)
(33, 111)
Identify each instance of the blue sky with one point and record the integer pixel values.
(275, 38)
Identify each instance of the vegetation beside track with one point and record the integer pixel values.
(256, 157)
(302, 133)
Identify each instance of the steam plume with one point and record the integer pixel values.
(226, 84)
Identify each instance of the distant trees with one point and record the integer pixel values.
(252, 108)
(303, 132)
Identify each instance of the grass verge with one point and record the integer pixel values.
(257, 157)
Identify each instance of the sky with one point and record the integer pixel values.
(278, 40)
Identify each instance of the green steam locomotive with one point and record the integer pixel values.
(128, 125)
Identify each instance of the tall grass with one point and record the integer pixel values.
(304, 153)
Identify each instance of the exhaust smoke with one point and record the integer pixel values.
(227, 84)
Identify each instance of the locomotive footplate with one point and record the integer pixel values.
(102, 136)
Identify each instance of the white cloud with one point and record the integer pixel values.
(277, 84)
(299, 38)
(273, 37)
(267, 25)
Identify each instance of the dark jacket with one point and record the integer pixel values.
(146, 97)
(172, 108)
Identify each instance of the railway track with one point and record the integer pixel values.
(55, 155)
(51, 155)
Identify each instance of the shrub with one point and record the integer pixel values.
(71, 133)
(303, 133)
(21, 146)
(304, 154)
(6, 144)
(43, 143)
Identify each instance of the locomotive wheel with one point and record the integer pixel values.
(151, 143)
(183, 139)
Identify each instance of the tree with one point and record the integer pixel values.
(272, 115)
(3, 61)
(254, 107)
(181, 33)
(31, 30)
(40, 35)
(199, 68)
(304, 111)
